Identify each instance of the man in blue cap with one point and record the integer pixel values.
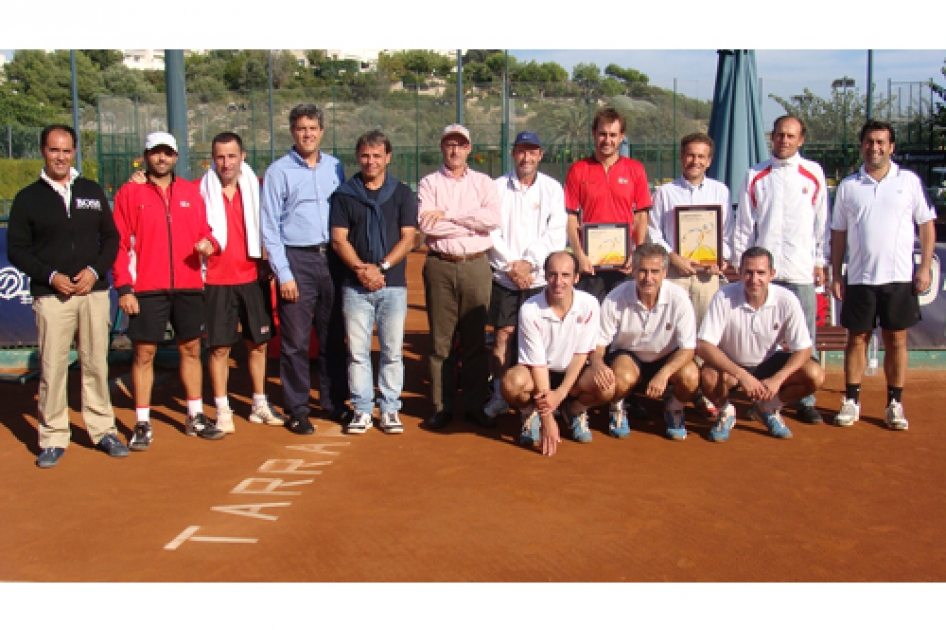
(532, 227)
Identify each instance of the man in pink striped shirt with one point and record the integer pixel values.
(457, 209)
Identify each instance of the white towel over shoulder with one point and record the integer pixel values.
(212, 192)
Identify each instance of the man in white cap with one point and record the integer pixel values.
(163, 233)
(533, 226)
(458, 208)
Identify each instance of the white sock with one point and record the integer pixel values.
(771, 406)
(617, 406)
(674, 404)
(142, 413)
(194, 407)
(221, 402)
(259, 400)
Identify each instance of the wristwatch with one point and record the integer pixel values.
(384, 266)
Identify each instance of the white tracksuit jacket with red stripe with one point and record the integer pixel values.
(783, 207)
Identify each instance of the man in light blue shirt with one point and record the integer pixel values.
(295, 230)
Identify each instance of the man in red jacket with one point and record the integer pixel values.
(163, 233)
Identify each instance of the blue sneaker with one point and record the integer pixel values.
(773, 422)
(49, 457)
(579, 427)
(531, 429)
(617, 425)
(676, 429)
(727, 420)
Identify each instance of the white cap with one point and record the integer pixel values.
(455, 130)
(160, 138)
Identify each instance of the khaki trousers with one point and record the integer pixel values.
(458, 296)
(58, 320)
(700, 287)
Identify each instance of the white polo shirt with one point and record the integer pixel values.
(879, 220)
(662, 222)
(547, 341)
(532, 226)
(651, 334)
(749, 336)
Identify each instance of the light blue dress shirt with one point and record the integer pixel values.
(295, 206)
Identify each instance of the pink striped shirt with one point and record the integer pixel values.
(472, 209)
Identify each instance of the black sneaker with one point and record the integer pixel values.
(635, 410)
(201, 426)
(299, 424)
(809, 415)
(110, 445)
(141, 438)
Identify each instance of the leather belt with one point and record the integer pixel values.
(452, 258)
(320, 248)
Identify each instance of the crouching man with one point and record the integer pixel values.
(740, 343)
(647, 340)
(558, 329)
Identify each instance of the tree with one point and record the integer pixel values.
(23, 109)
(120, 79)
(628, 76)
(587, 75)
(47, 77)
(104, 59)
(478, 55)
(612, 87)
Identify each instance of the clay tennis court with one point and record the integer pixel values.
(469, 504)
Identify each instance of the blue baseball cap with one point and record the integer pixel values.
(528, 137)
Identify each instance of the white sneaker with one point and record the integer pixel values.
(894, 418)
(225, 420)
(359, 424)
(264, 414)
(849, 414)
(390, 423)
(497, 405)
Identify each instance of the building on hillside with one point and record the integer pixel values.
(148, 58)
(367, 58)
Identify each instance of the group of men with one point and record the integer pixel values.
(567, 336)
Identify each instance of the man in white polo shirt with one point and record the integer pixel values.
(557, 330)
(740, 343)
(875, 210)
(648, 330)
(783, 207)
(532, 226)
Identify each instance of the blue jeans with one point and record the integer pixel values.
(361, 308)
(809, 305)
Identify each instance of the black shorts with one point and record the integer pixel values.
(556, 378)
(504, 305)
(232, 307)
(647, 370)
(770, 366)
(185, 311)
(894, 304)
(602, 283)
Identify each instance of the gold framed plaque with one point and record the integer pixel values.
(607, 245)
(700, 234)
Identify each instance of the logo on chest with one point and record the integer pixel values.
(185, 204)
(623, 180)
(88, 204)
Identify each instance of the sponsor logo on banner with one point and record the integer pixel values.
(15, 285)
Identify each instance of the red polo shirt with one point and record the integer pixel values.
(233, 265)
(607, 197)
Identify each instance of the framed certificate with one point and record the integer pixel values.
(608, 245)
(700, 234)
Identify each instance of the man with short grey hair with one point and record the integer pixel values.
(294, 221)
